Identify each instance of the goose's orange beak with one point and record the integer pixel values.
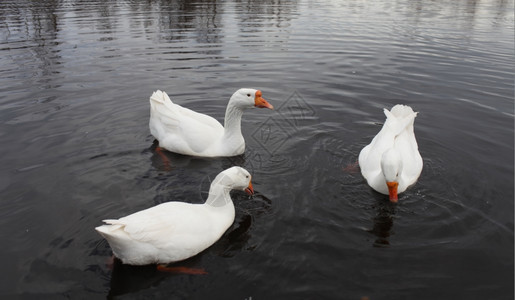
(249, 190)
(392, 191)
(260, 102)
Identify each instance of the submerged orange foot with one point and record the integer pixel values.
(181, 270)
(166, 161)
(110, 262)
(352, 168)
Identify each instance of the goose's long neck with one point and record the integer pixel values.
(232, 122)
(219, 195)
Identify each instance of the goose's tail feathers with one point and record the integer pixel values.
(160, 97)
(400, 117)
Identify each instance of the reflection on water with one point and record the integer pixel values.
(75, 146)
(126, 279)
(40, 21)
(383, 223)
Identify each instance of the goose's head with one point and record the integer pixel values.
(391, 166)
(248, 98)
(235, 178)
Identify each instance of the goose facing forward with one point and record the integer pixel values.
(187, 132)
(392, 162)
(175, 231)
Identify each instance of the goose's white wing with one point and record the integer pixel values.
(162, 225)
(179, 129)
(412, 162)
(370, 157)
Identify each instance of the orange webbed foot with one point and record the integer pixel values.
(164, 158)
(181, 270)
(352, 168)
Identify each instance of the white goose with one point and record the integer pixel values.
(391, 162)
(175, 231)
(184, 131)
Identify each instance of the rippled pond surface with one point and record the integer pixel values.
(75, 78)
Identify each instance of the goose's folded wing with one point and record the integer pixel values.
(370, 157)
(185, 127)
(407, 145)
(172, 114)
(162, 223)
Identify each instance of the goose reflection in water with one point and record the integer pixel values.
(127, 279)
(383, 223)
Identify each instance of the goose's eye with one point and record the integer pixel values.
(248, 95)
(247, 176)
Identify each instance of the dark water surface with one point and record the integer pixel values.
(75, 78)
